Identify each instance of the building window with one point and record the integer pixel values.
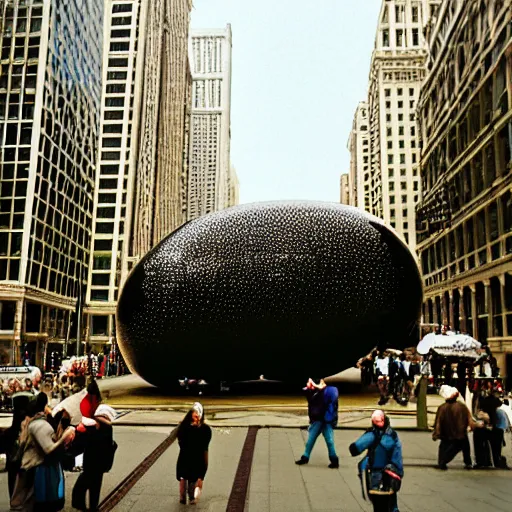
(400, 13)
(402, 158)
(400, 104)
(402, 172)
(99, 325)
(7, 312)
(390, 144)
(400, 117)
(414, 13)
(411, 92)
(388, 105)
(403, 185)
(413, 158)
(391, 186)
(391, 199)
(391, 173)
(401, 144)
(415, 37)
(99, 295)
(400, 91)
(390, 159)
(387, 93)
(413, 131)
(399, 37)
(388, 118)
(400, 130)
(389, 131)
(385, 38)
(392, 213)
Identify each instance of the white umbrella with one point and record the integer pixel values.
(72, 405)
(453, 344)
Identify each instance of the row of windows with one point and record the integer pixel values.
(399, 92)
(402, 158)
(484, 237)
(400, 13)
(401, 39)
(400, 104)
(479, 319)
(400, 117)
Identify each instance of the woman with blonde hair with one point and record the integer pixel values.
(194, 437)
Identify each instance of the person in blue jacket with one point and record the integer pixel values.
(382, 463)
(323, 417)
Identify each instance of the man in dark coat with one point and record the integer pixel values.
(323, 417)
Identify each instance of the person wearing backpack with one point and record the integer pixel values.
(382, 465)
(99, 451)
(323, 417)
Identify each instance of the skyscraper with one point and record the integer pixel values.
(396, 74)
(210, 59)
(344, 189)
(233, 187)
(359, 147)
(141, 184)
(50, 89)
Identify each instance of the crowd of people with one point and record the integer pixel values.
(493, 417)
(394, 373)
(43, 441)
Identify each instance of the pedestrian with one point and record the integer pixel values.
(40, 482)
(382, 465)
(382, 373)
(323, 417)
(453, 419)
(99, 451)
(194, 437)
(490, 437)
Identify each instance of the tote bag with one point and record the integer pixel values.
(49, 486)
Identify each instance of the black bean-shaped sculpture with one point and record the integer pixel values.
(285, 289)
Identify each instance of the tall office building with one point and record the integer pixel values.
(465, 215)
(344, 189)
(210, 60)
(396, 74)
(141, 184)
(233, 187)
(50, 90)
(359, 147)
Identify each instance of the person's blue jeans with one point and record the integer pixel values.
(315, 429)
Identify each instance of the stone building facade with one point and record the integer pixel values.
(359, 148)
(464, 220)
(141, 185)
(50, 99)
(344, 189)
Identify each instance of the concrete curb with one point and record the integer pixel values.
(301, 427)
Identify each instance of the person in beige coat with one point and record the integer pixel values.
(37, 442)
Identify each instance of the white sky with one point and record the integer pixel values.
(299, 69)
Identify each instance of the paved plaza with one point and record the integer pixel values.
(278, 485)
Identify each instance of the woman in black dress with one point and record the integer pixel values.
(193, 437)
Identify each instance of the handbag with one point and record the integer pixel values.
(109, 457)
(49, 485)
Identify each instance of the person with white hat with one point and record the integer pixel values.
(453, 419)
(194, 437)
(99, 451)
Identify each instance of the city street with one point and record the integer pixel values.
(277, 484)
